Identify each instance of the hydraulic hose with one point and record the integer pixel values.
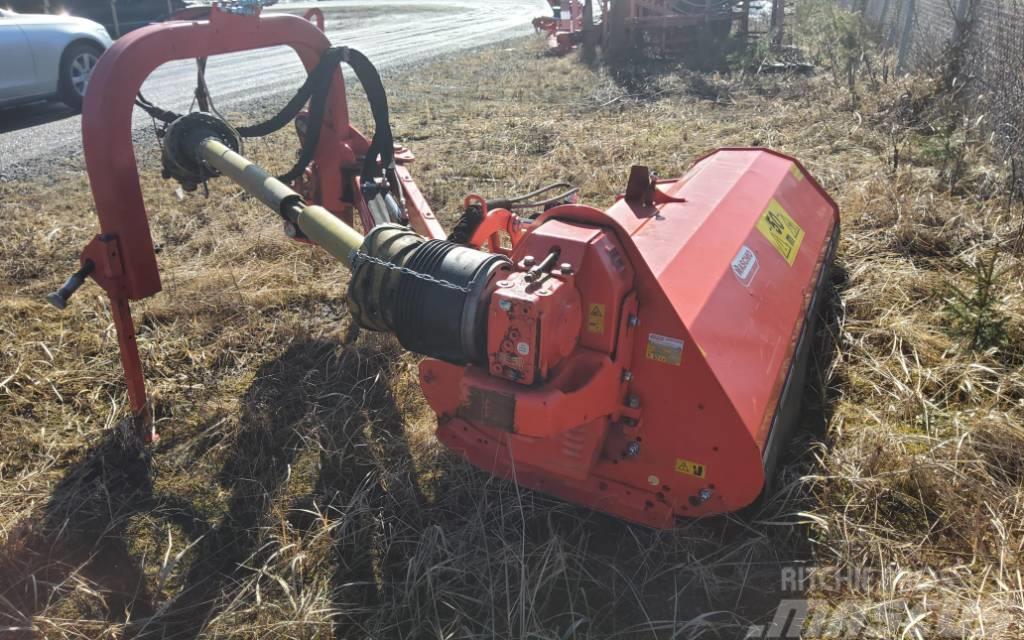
(315, 91)
(383, 142)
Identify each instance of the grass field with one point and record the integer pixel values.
(297, 491)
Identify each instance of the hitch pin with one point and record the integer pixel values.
(59, 298)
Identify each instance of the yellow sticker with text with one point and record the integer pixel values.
(595, 318)
(797, 173)
(691, 468)
(781, 230)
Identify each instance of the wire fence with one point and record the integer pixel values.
(979, 42)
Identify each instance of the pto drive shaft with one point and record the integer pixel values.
(432, 294)
(317, 223)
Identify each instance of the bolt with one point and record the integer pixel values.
(704, 495)
(529, 261)
(632, 401)
(566, 268)
(632, 449)
(505, 305)
(633, 320)
(628, 422)
(627, 375)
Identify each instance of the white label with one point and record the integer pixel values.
(523, 349)
(745, 265)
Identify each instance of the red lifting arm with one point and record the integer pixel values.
(121, 257)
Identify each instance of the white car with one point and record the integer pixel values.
(46, 56)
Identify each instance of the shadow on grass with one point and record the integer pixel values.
(480, 557)
(82, 540)
(316, 391)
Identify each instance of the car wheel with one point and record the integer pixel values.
(76, 67)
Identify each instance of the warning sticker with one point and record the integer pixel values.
(595, 318)
(664, 349)
(745, 265)
(797, 173)
(781, 230)
(690, 468)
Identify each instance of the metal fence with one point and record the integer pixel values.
(984, 41)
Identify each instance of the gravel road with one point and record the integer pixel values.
(43, 137)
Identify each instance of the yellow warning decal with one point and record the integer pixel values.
(781, 230)
(690, 468)
(797, 173)
(664, 349)
(595, 318)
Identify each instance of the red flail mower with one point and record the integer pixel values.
(646, 361)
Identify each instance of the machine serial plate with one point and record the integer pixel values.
(664, 349)
(781, 230)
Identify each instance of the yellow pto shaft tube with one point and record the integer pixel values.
(318, 224)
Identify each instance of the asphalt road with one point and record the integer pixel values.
(38, 138)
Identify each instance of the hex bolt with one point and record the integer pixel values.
(529, 261)
(632, 401)
(704, 495)
(505, 305)
(627, 375)
(566, 268)
(633, 320)
(632, 449)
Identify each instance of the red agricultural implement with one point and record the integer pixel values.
(665, 28)
(564, 27)
(646, 360)
(656, 28)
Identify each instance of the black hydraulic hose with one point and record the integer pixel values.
(537, 192)
(317, 105)
(383, 142)
(154, 111)
(315, 90)
(518, 201)
(321, 74)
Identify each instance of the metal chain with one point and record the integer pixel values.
(358, 256)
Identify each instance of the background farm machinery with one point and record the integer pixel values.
(656, 28)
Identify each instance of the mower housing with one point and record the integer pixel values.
(657, 372)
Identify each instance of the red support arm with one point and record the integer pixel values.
(123, 251)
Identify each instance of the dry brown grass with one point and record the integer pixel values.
(298, 492)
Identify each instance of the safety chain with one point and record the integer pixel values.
(358, 256)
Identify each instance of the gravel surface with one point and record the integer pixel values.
(45, 138)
